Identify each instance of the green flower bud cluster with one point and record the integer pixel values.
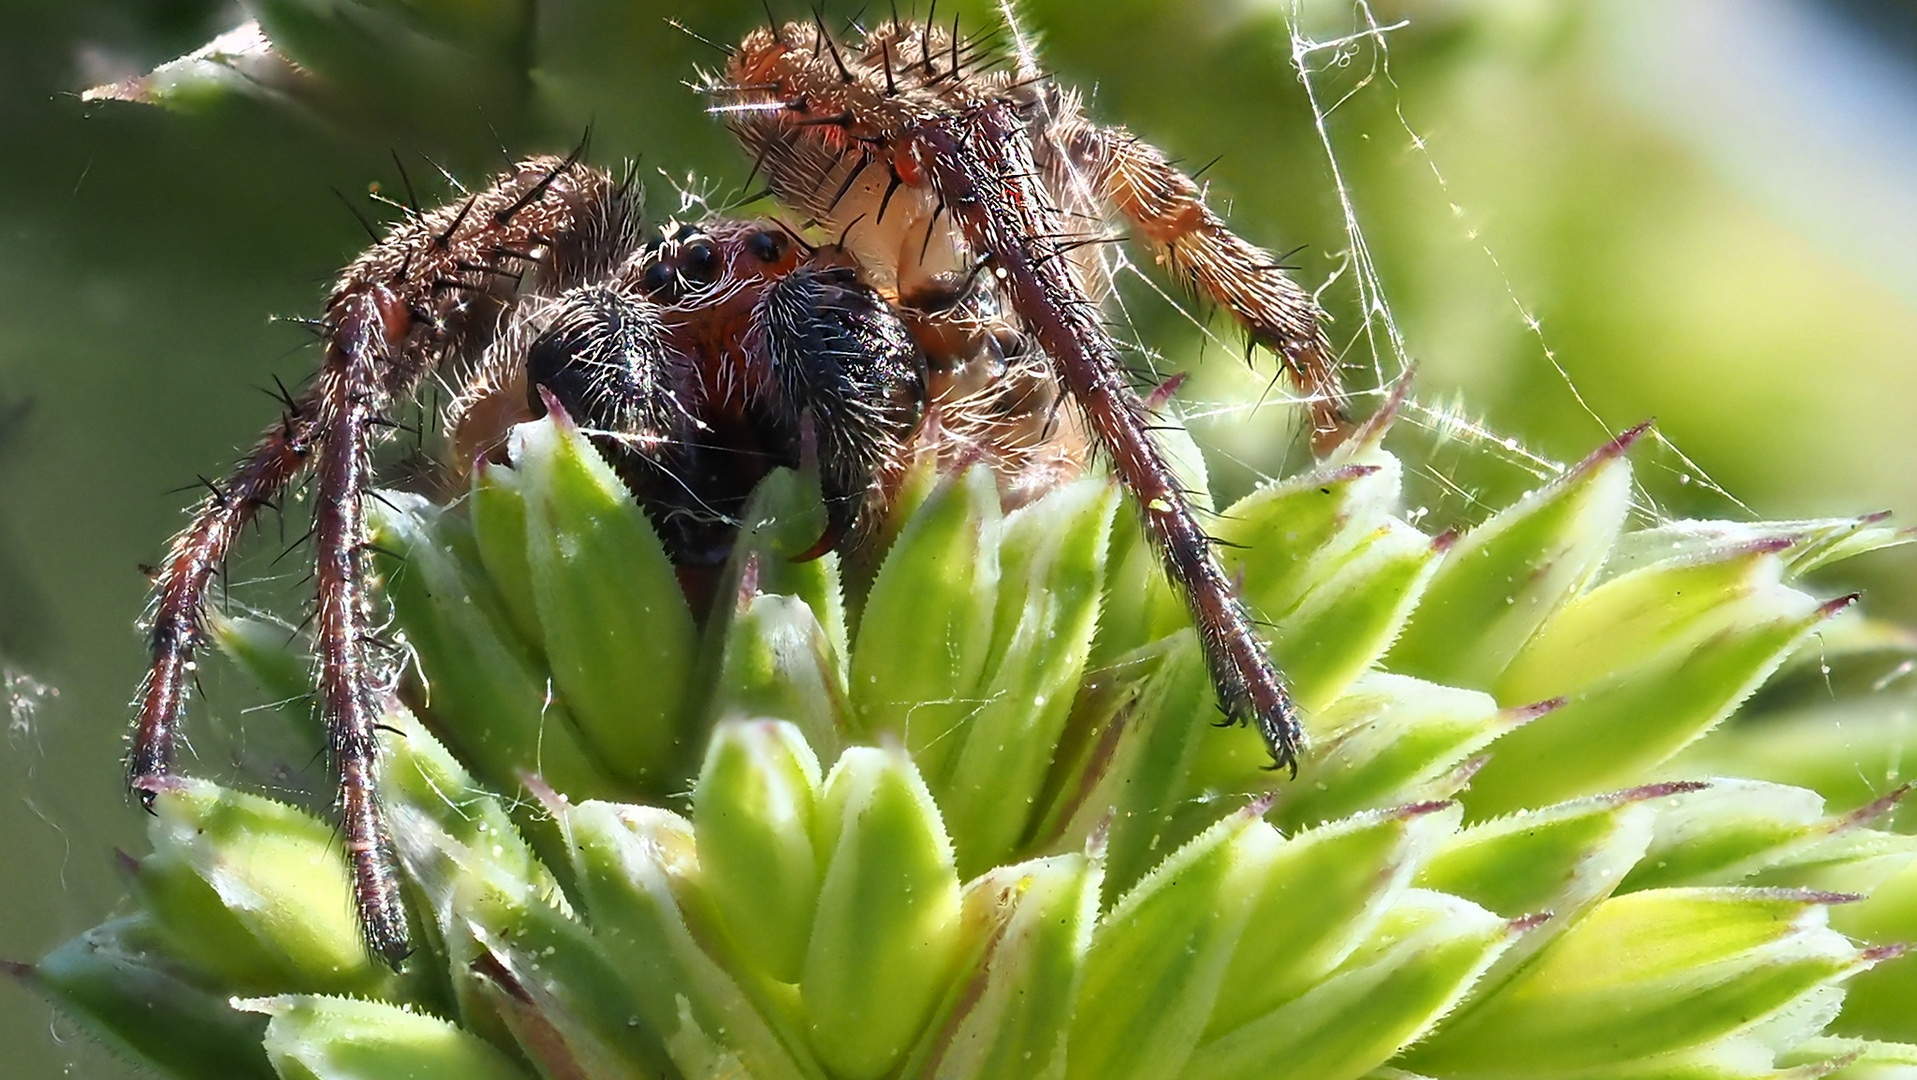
(971, 820)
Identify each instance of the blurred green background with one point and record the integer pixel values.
(1699, 210)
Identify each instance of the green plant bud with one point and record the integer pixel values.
(926, 631)
(1323, 893)
(488, 691)
(1626, 725)
(632, 863)
(1012, 1021)
(497, 509)
(1632, 620)
(114, 980)
(1139, 606)
(1159, 740)
(1413, 969)
(1051, 574)
(1725, 833)
(1645, 974)
(1391, 740)
(753, 812)
(1504, 578)
(784, 519)
(1160, 956)
(329, 1038)
(1552, 865)
(1808, 545)
(521, 960)
(1345, 622)
(780, 662)
(1287, 538)
(1559, 859)
(886, 930)
(1856, 1059)
(619, 637)
(252, 891)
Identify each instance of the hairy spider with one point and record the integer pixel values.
(959, 304)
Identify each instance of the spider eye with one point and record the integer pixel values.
(686, 232)
(766, 246)
(701, 262)
(658, 278)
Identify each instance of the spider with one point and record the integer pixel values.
(959, 303)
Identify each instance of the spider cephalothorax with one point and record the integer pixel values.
(955, 312)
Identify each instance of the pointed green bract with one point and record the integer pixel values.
(1323, 892)
(1636, 719)
(253, 891)
(1422, 958)
(497, 508)
(609, 603)
(1037, 918)
(779, 661)
(1052, 571)
(1160, 957)
(753, 813)
(322, 1038)
(1505, 577)
(492, 696)
(117, 981)
(886, 929)
(926, 632)
(1701, 964)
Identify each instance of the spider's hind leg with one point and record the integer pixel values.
(1167, 208)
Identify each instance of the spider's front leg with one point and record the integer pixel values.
(1165, 207)
(982, 162)
(842, 354)
(431, 290)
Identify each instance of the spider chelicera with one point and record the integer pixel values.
(958, 303)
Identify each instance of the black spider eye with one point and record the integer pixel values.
(658, 278)
(686, 232)
(766, 246)
(701, 262)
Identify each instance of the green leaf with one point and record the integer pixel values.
(780, 662)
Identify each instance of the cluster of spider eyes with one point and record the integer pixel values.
(695, 261)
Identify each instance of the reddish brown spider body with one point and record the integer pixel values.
(960, 288)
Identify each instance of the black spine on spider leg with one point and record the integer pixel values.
(368, 323)
(983, 165)
(840, 352)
